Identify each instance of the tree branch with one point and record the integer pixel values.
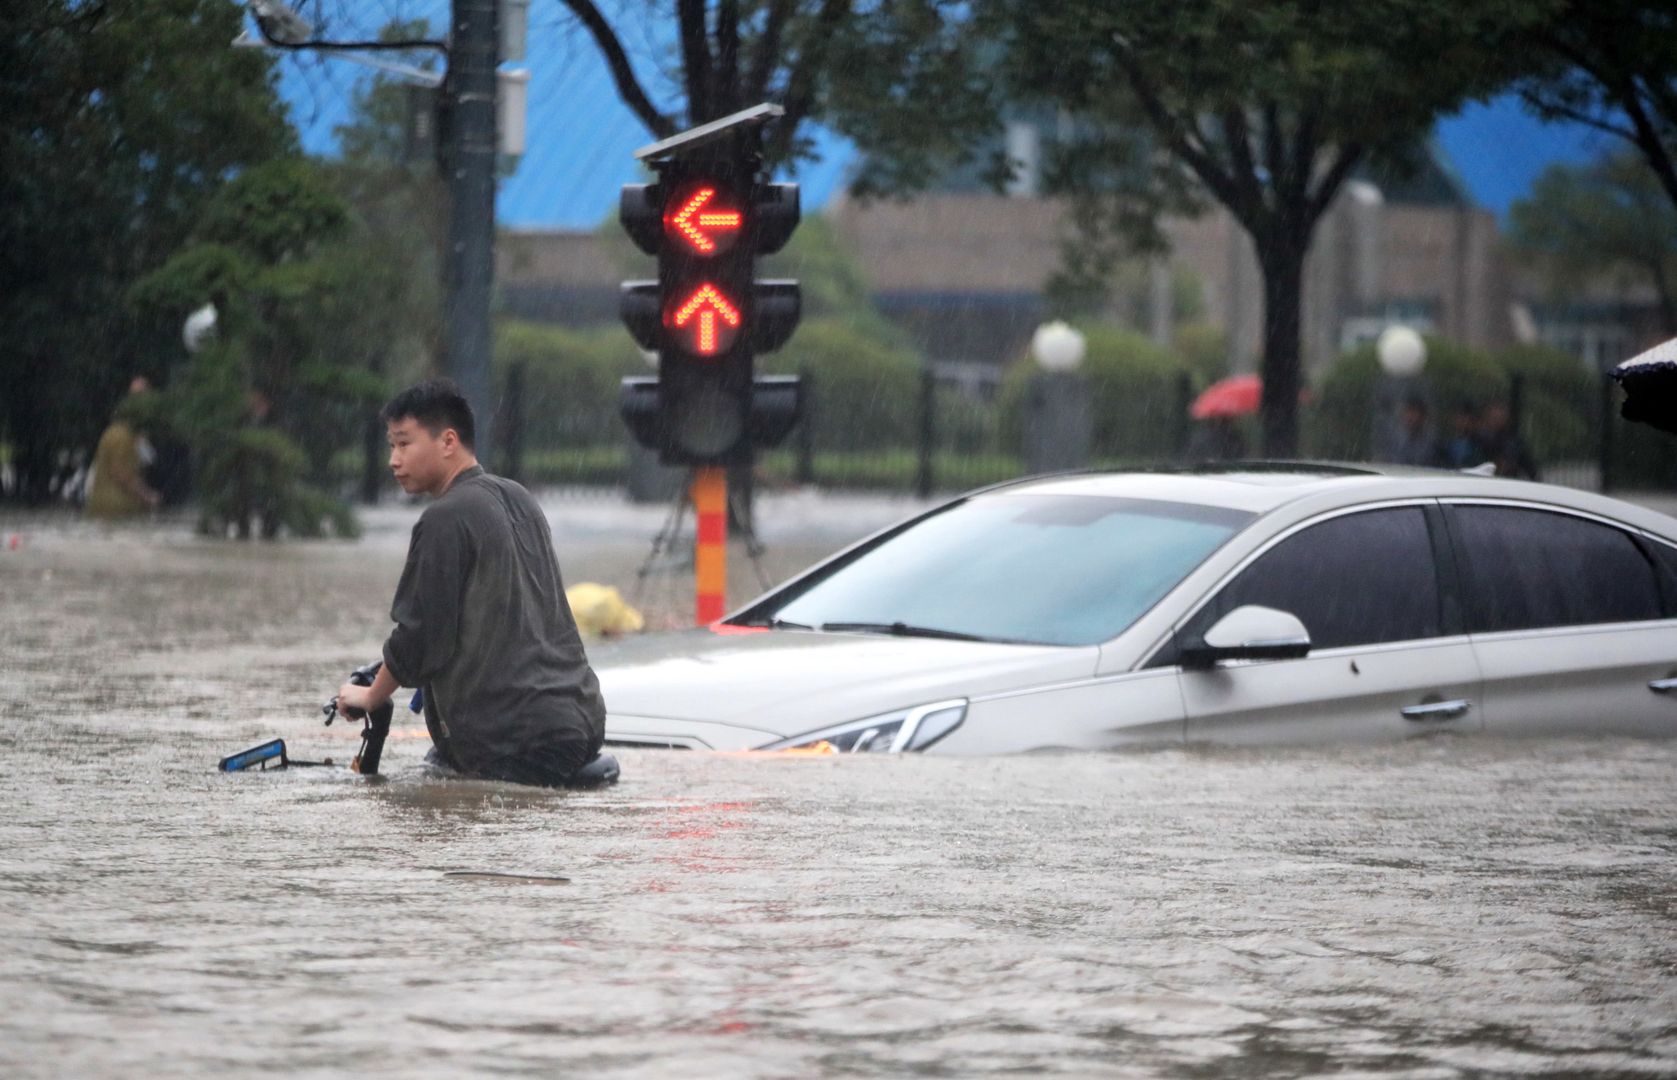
(1350, 156)
(1537, 101)
(1171, 129)
(695, 60)
(767, 53)
(727, 89)
(1304, 156)
(1237, 135)
(1275, 159)
(622, 73)
(1648, 140)
(800, 83)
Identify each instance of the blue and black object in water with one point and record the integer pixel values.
(271, 753)
(375, 728)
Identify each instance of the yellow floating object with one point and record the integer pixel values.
(600, 611)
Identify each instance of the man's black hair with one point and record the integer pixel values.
(438, 405)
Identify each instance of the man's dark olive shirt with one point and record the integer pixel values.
(483, 626)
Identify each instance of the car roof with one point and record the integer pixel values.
(1259, 487)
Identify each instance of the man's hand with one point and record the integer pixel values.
(367, 698)
(351, 696)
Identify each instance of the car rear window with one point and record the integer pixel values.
(1528, 569)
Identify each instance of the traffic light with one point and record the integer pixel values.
(707, 218)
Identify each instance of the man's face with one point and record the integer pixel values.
(421, 462)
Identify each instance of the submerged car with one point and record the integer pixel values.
(1282, 603)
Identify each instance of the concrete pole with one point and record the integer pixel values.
(469, 267)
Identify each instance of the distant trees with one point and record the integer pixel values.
(1612, 65)
(290, 378)
(1266, 109)
(117, 122)
(1611, 216)
(906, 80)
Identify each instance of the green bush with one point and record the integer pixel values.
(863, 387)
(1562, 402)
(571, 380)
(1339, 426)
(1135, 390)
(1204, 349)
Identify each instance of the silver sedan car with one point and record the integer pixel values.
(1252, 604)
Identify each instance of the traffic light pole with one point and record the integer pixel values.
(710, 547)
(710, 214)
(469, 263)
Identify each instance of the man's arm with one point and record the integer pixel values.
(367, 698)
(428, 600)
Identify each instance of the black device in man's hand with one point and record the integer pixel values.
(375, 726)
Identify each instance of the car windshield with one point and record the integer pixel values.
(1050, 569)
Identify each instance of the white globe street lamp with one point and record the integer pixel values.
(199, 327)
(1402, 352)
(1057, 347)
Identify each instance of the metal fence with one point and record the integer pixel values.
(956, 434)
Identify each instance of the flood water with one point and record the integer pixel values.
(1438, 908)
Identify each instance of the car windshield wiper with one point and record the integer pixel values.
(901, 629)
(776, 624)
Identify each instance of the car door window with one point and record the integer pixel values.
(1528, 569)
(1665, 565)
(1358, 579)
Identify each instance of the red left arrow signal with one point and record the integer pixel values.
(712, 320)
(700, 224)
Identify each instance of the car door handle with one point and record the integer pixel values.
(1663, 686)
(1438, 710)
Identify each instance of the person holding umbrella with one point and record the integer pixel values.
(1217, 435)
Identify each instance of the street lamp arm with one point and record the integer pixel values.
(349, 46)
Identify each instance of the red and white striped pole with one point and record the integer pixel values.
(710, 550)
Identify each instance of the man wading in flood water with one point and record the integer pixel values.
(482, 625)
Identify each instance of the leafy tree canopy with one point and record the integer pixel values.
(1610, 64)
(117, 122)
(906, 80)
(1608, 217)
(1265, 108)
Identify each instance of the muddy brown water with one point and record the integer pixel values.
(1438, 908)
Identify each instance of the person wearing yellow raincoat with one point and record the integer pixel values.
(119, 488)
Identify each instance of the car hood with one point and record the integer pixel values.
(775, 684)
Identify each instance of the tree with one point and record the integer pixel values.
(117, 122)
(303, 305)
(901, 78)
(1611, 216)
(1611, 64)
(1266, 109)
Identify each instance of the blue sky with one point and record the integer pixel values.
(581, 137)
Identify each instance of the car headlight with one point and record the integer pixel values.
(892, 733)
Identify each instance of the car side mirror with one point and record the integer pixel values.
(1249, 633)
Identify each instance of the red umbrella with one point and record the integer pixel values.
(1237, 395)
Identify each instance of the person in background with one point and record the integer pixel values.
(1216, 438)
(1463, 449)
(1412, 442)
(1503, 445)
(118, 488)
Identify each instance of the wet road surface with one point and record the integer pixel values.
(1438, 908)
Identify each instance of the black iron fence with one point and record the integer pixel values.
(953, 433)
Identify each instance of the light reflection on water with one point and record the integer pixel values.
(1438, 908)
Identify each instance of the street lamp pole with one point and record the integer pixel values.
(468, 155)
(469, 266)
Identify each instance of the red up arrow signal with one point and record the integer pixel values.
(707, 229)
(710, 318)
